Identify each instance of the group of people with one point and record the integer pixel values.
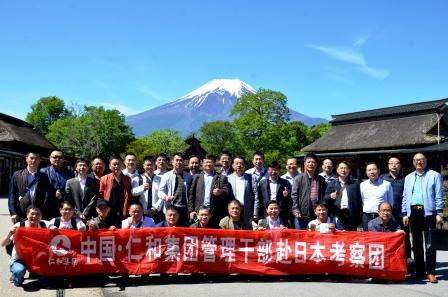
(232, 198)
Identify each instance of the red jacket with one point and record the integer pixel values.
(106, 183)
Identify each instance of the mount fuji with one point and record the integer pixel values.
(211, 102)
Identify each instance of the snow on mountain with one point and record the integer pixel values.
(234, 88)
(210, 102)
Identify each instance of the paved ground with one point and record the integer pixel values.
(228, 285)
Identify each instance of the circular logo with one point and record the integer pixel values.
(60, 245)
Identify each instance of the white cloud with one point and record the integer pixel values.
(126, 110)
(343, 54)
(361, 40)
(377, 73)
(354, 56)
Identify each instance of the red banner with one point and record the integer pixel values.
(188, 250)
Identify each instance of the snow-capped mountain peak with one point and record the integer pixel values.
(234, 87)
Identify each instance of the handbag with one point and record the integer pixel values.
(438, 239)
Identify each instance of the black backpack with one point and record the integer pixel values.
(57, 223)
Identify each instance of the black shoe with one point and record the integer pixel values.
(33, 275)
(420, 274)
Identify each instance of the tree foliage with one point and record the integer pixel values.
(318, 131)
(260, 122)
(94, 131)
(161, 141)
(217, 136)
(45, 112)
(258, 118)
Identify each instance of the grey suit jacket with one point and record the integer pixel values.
(251, 201)
(84, 201)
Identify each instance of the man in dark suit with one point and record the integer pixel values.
(210, 189)
(241, 190)
(57, 175)
(225, 159)
(307, 189)
(27, 187)
(275, 188)
(343, 198)
(82, 190)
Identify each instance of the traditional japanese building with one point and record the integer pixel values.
(194, 148)
(375, 135)
(17, 138)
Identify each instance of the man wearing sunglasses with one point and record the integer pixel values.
(57, 175)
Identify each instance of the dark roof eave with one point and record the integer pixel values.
(370, 152)
(434, 106)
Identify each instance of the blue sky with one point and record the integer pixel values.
(327, 57)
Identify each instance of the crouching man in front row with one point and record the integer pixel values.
(16, 266)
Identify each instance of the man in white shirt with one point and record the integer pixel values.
(144, 188)
(82, 191)
(161, 164)
(210, 189)
(323, 220)
(28, 187)
(374, 191)
(17, 267)
(225, 159)
(327, 171)
(291, 170)
(130, 161)
(258, 171)
(275, 188)
(241, 190)
(136, 218)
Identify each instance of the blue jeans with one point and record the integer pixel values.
(18, 271)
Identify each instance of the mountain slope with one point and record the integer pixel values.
(211, 102)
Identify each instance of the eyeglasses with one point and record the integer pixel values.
(386, 210)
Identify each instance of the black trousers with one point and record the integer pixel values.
(366, 218)
(420, 225)
(349, 222)
(407, 239)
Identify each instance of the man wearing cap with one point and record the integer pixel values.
(103, 220)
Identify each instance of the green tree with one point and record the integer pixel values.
(140, 149)
(95, 130)
(258, 118)
(45, 112)
(217, 136)
(164, 141)
(317, 131)
(160, 141)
